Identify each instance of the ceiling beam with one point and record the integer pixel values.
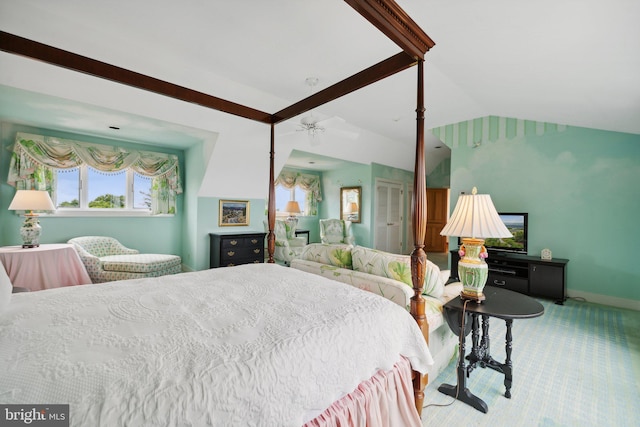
(400, 61)
(24, 47)
(396, 24)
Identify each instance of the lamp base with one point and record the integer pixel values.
(30, 231)
(473, 297)
(472, 269)
(293, 220)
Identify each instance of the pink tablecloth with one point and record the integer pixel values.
(44, 267)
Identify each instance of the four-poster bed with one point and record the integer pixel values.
(389, 18)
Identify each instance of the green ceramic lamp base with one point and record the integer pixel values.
(472, 270)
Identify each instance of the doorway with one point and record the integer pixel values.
(437, 215)
(389, 204)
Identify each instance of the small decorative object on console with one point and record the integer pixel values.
(545, 254)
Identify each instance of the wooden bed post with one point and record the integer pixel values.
(271, 209)
(419, 223)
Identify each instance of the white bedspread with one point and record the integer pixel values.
(253, 345)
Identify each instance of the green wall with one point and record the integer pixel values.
(147, 234)
(580, 188)
(352, 175)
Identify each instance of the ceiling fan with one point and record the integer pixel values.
(315, 127)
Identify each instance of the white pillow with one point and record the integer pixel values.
(5, 289)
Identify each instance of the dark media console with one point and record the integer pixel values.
(526, 274)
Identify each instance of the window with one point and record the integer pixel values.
(301, 187)
(283, 195)
(101, 190)
(83, 178)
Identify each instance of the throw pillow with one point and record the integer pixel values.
(338, 255)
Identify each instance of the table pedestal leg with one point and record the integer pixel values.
(508, 365)
(460, 391)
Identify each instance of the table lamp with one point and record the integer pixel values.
(31, 200)
(352, 211)
(292, 208)
(474, 219)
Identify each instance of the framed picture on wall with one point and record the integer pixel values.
(233, 213)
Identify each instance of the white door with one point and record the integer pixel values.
(388, 216)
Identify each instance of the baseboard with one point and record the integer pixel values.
(187, 269)
(630, 304)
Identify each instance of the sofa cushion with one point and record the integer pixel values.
(397, 267)
(337, 254)
(387, 288)
(139, 263)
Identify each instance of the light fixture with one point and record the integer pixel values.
(474, 219)
(310, 123)
(31, 200)
(292, 208)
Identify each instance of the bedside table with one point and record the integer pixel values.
(45, 267)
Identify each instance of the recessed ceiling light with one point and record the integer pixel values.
(114, 127)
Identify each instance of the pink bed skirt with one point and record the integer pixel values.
(384, 400)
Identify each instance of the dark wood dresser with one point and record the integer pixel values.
(233, 248)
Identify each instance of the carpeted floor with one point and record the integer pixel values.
(577, 365)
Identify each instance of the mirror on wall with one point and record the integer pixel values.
(350, 203)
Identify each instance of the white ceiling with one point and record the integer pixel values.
(568, 62)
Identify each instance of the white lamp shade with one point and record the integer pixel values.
(292, 207)
(475, 216)
(31, 200)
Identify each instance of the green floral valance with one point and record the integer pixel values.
(35, 157)
(309, 183)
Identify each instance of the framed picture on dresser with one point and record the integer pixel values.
(233, 213)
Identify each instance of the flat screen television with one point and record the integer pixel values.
(517, 223)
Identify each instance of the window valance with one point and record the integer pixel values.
(309, 183)
(35, 157)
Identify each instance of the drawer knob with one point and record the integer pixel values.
(256, 251)
(233, 242)
(499, 282)
(254, 241)
(231, 253)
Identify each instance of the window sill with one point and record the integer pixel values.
(104, 213)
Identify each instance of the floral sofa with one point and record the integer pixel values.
(106, 260)
(389, 275)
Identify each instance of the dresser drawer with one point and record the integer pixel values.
(242, 242)
(517, 284)
(241, 253)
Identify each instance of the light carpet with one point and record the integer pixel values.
(577, 365)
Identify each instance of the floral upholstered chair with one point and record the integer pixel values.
(288, 246)
(336, 231)
(106, 260)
